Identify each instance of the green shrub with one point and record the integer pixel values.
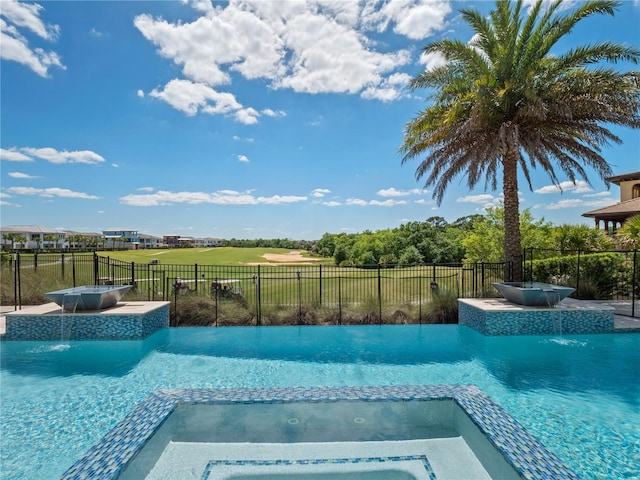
(443, 308)
(600, 273)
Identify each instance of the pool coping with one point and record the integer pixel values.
(109, 457)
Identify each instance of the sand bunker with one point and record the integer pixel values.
(293, 257)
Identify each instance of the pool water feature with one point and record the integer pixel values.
(579, 394)
(89, 297)
(536, 294)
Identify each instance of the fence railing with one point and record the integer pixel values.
(596, 275)
(260, 287)
(26, 277)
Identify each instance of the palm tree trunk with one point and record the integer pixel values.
(512, 237)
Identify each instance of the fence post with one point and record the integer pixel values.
(634, 284)
(95, 268)
(216, 290)
(17, 292)
(578, 276)
(73, 268)
(62, 264)
(339, 302)
(320, 284)
(420, 299)
(259, 298)
(298, 274)
(379, 297)
(195, 276)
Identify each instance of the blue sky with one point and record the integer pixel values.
(269, 119)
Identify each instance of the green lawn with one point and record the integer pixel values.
(201, 256)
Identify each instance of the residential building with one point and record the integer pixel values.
(149, 241)
(207, 242)
(32, 237)
(615, 215)
(171, 240)
(128, 239)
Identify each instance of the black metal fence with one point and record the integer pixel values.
(260, 289)
(596, 275)
(257, 288)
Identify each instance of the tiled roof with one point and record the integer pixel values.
(29, 229)
(624, 177)
(624, 209)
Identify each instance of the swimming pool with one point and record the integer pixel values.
(579, 395)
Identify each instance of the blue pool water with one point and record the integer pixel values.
(579, 395)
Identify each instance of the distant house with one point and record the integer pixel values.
(35, 237)
(207, 242)
(171, 240)
(129, 239)
(186, 241)
(149, 241)
(615, 215)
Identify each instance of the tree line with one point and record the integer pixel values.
(475, 238)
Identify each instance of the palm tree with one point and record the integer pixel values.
(503, 103)
(629, 234)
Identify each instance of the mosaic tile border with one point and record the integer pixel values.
(320, 461)
(485, 318)
(86, 325)
(108, 458)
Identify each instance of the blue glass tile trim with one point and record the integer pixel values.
(320, 461)
(540, 321)
(86, 326)
(108, 458)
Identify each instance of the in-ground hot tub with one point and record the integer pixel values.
(90, 297)
(533, 294)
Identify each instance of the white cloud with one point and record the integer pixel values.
(432, 60)
(579, 187)
(221, 197)
(248, 116)
(243, 158)
(13, 155)
(376, 203)
(320, 192)
(140, 93)
(480, 199)
(54, 156)
(389, 89)
(115, 165)
(273, 113)
(50, 192)
(20, 175)
(387, 203)
(415, 19)
(96, 33)
(190, 97)
(392, 192)
(576, 202)
(315, 46)
(356, 201)
(597, 194)
(15, 47)
(331, 203)
(237, 138)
